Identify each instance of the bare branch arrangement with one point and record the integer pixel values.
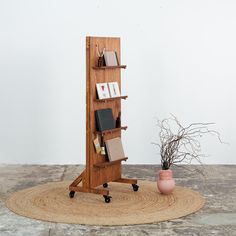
(181, 144)
(100, 56)
(100, 53)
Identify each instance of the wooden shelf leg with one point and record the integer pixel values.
(77, 180)
(89, 190)
(126, 181)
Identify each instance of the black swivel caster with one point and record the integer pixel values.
(135, 187)
(105, 185)
(107, 198)
(72, 194)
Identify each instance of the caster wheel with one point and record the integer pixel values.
(105, 185)
(72, 194)
(107, 198)
(135, 187)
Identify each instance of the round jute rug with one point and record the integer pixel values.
(50, 202)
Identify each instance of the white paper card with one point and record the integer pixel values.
(102, 90)
(114, 89)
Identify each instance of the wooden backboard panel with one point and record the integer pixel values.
(97, 176)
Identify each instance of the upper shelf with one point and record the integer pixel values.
(110, 99)
(109, 67)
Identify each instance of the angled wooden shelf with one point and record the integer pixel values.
(111, 130)
(111, 99)
(109, 163)
(98, 170)
(109, 67)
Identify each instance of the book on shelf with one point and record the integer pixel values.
(102, 90)
(114, 149)
(111, 58)
(97, 145)
(104, 119)
(114, 89)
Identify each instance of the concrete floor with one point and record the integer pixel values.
(218, 217)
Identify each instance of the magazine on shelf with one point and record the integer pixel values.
(104, 119)
(102, 90)
(114, 89)
(115, 149)
(110, 58)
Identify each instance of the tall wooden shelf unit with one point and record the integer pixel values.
(99, 171)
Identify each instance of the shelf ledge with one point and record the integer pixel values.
(111, 130)
(109, 67)
(110, 99)
(109, 163)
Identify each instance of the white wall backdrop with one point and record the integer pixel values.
(181, 58)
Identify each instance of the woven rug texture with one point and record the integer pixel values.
(51, 202)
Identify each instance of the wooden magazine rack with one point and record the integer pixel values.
(100, 171)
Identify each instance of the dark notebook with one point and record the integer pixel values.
(104, 119)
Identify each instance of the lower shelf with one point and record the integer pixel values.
(109, 163)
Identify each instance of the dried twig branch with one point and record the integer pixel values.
(181, 145)
(100, 54)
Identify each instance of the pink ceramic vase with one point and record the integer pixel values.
(165, 182)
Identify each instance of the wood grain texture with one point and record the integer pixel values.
(100, 176)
